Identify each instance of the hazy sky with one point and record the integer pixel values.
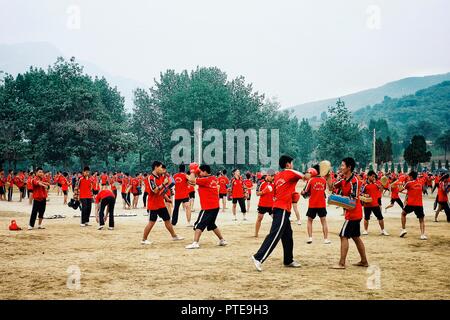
(295, 50)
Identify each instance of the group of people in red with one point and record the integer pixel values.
(276, 190)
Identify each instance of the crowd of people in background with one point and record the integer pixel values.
(164, 193)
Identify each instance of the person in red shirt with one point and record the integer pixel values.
(436, 183)
(113, 182)
(31, 176)
(156, 204)
(64, 182)
(105, 198)
(248, 186)
(349, 186)
(191, 190)
(208, 191)
(442, 197)
(238, 192)
(181, 195)
(10, 184)
(395, 197)
(104, 180)
(413, 203)
(95, 184)
(315, 190)
(373, 190)
(84, 190)
(168, 195)
(285, 182)
(265, 203)
(135, 184)
(2, 185)
(40, 187)
(125, 191)
(223, 183)
(19, 181)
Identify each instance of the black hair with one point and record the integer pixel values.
(284, 160)
(181, 168)
(248, 175)
(413, 174)
(206, 168)
(156, 164)
(349, 162)
(317, 167)
(86, 168)
(39, 168)
(224, 171)
(371, 173)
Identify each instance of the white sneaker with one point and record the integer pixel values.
(100, 228)
(193, 245)
(384, 233)
(223, 243)
(257, 264)
(146, 242)
(82, 225)
(30, 228)
(365, 233)
(299, 222)
(293, 264)
(41, 227)
(326, 241)
(403, 233)
(110, 228)
(423, 237)
(309, 241)
(177, 238)
(87, 225)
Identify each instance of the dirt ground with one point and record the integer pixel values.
(41, 264)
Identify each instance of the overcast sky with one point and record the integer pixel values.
(297, 51)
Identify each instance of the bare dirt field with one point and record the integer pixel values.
(114, 265)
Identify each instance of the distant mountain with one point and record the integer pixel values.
(17, 58)
(361, 99)
(430, 105)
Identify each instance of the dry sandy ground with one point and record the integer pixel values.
(36, 264)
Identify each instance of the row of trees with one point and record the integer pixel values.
(66, 119)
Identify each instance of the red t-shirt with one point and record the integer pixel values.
(285, 182)
(155, 201)
(316, 188)
(442, 191)
(104, 179)
(266, 198)
(64, 183)
(146, 185)
(350, 188)
(85, 188)
(29, 183)
(9, 180)
(112, 181)
(237, 188)
(414, 195)
(181, 186)
(95, 184)
(104, 194)
(223, 181)
(208, 192)
(20, 180)
(134, 185)
(372, 190)
(394, 190)
(125, 182)
(248, 183)
(39, 192)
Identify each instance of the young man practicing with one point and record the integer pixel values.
(181, 195)
(373, 190)
(156, 204)
(285, 182)
(315, 189)
(349, 186)
(40, 188)
(208, 190)
(265, 193)
(223, 183)
(413, 204)
(84, 188)
(105, 199)
(238, 191)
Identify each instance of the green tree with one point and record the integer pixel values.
(443, 142)
(433, 166)
(399, 168)
(405, 167)
(416, 152)
(305, 141)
